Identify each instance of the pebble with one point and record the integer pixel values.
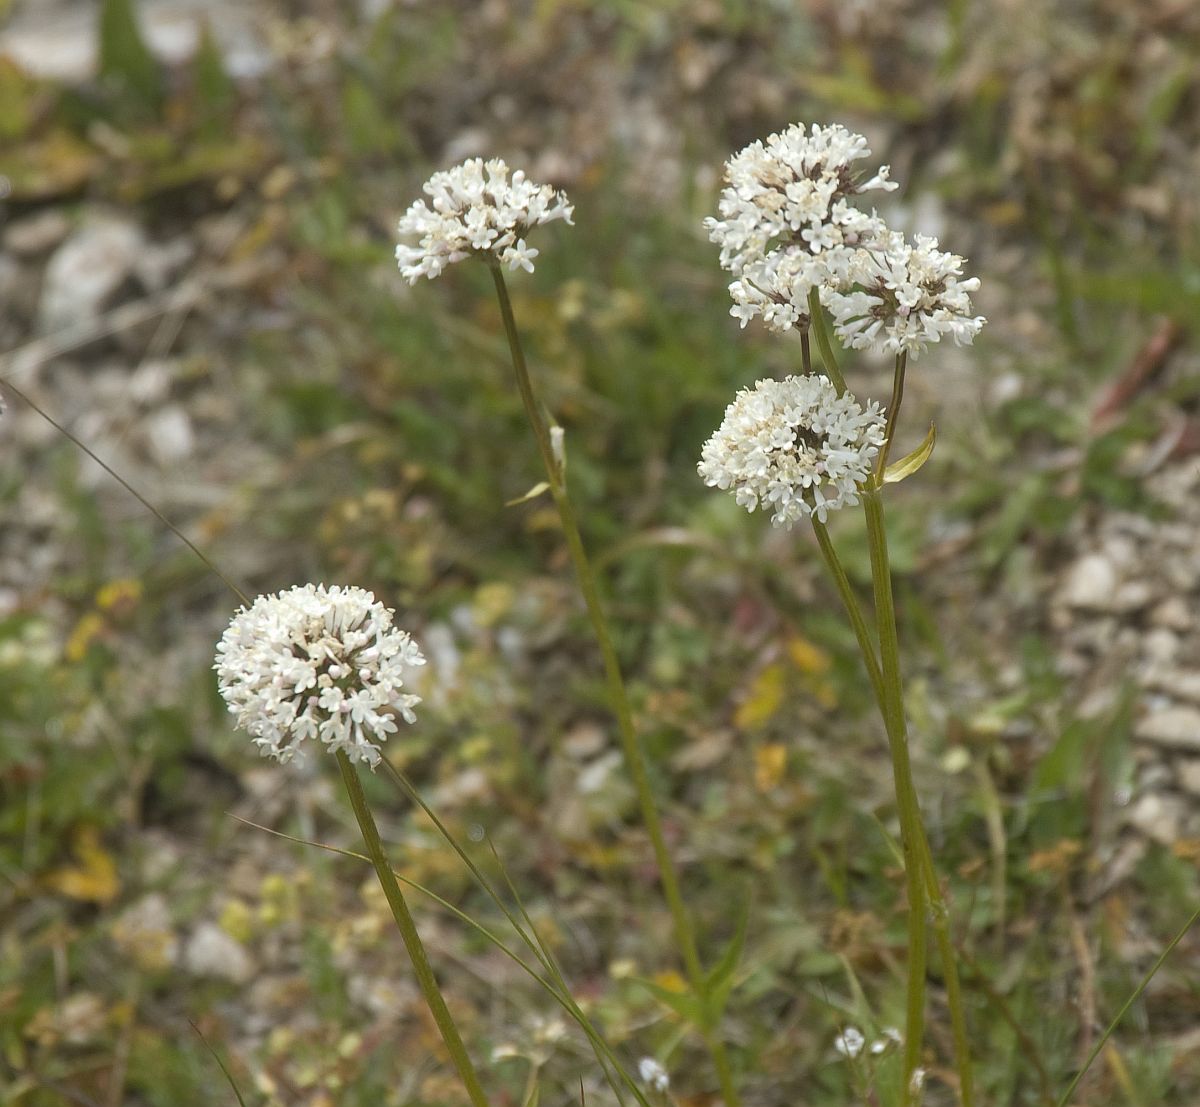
(1160, 817)
(169, 434)
(87, 269)
(1091, 583)
(37, 234)
(1188, 771)
(1173, 613)
(210, 951)
(1175, 727)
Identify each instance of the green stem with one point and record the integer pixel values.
(805, 352)
(917, 854)
(617, 695)
(893, 710)
(816, 316)
(853, 608)
(408, 931)
(893, 412)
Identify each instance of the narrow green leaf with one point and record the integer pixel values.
(909, 464)
(718, 983)
(217, 1057)
(686, 1005)
(216, 93)
(125, 59)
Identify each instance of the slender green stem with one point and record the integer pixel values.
(893, 412)
(619, 699)
(1112, 1026)
(862, 632)
(893, 710)
(816, 315)
(408, 931)
(805, 351)
(918, 856)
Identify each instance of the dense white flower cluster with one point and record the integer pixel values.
(795, 447)
(791, 191)
(906, 295)
(475, 209)
(788, 225)
(653, 1074)
(317, 662)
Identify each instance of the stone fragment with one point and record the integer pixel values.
(87, 269)
(1175, 727)
(1174, 613)
(1090, 584)
(212, 952)
(1188, 771)
(37, 234)
(1160, 817)
(169, 434)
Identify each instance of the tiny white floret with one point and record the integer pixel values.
(849, 1042)
(653, 1074)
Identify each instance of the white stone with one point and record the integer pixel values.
(1189, 775)
(85, 271)
(1090, 583)
(1176, 727)
(37, 234)
(210, 951)
(1159, 817)
(169, 434)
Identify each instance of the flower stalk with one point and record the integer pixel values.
(426, 979)
(618, 697)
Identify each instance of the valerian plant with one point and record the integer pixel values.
(326, 666)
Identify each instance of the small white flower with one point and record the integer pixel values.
(891, 1036)
(793, 447)
(791, 193)
(520, 255)
(917, 1081)
(317, 662)
(849, 1042)
(476, 209)
(905, 296)
(653, 1074)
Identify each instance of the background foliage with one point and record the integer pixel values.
(337, 425)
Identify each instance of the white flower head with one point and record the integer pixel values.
(906, 296)
(653, 1074)
(317, 662)
(794, 447)
(791, 192)
(849, 1042)
(476, 209)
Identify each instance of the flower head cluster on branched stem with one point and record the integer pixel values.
(799, 246)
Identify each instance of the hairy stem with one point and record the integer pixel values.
(408, 931)
(618, 697)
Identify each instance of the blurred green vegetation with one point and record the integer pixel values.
(395, 440)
